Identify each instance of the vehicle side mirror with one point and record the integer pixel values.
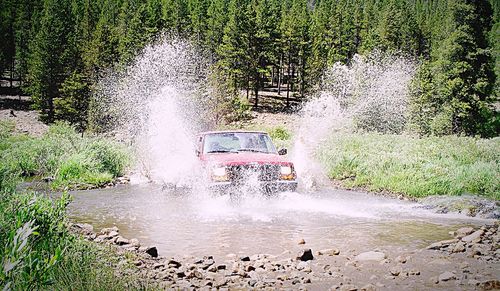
(282, 152)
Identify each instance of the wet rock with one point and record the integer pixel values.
(464, 231)
(194, 274)
(83, 228)
(207, 263)
(305, 255)
(302, 241)
(395, 271)
(134, 242)
(459, 248)
(441, 244)
(181, 274)
(221, 267)
(121, 241)
(245, 259)
(152, 251)
(473, 237)
(112, 234)
(249, 268)
(329, 252)
(371, 256)
(174, 264)
(100, 238)
(473, 282)
(446, 276)
(109, 230)
(348, 287)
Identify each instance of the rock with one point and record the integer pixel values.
(464, 231)
(441, 244)
(109, 229)
(447, 276)
(400, 259)
(329, 252)
(369, 287)
(395, 271)
(459, 248)
(371, 256)
(221, 267)
(473, 282)
(83, 228)
(134, 242)
(112, 234)
(194, 274)
(490, 285)
(100, 238)
(434, 280)
(302, 242)
(220, 281)
(348, 287)
(174, 264)
(245, 259)
(305, 255)
(121, 241)
(473, 237)
(414, 272)
(152, 251)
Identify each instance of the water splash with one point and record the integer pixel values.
(369, 94)
(153, 106)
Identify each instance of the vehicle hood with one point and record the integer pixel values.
(243, 158)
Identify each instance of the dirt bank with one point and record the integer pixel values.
(17, 109)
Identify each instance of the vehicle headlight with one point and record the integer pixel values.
(219, 171)
(286, 170)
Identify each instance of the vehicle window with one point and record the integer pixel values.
(238, 141)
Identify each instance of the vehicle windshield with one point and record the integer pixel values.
(238, 142)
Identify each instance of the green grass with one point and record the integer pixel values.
(416, 167)
(37, 251)
(71, 160)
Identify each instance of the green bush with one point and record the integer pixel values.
(417, 167)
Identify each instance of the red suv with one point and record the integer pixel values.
(233, 159)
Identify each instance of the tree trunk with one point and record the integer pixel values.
(279, 74)
(288, 76)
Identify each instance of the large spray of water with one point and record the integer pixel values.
(371, 94)
(154, 105)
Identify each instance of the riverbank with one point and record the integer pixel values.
(468, 261)
(62, 157)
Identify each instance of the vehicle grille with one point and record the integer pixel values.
(264, 172)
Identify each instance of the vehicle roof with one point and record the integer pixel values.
(231, 131)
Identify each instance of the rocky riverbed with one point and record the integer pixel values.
(468, 261)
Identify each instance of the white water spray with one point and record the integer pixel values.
(369, 94)
(154, 106)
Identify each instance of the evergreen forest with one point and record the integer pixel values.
(56, 50)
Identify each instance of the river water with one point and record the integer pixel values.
(181, 224)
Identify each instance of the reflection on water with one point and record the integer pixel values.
(199, 225)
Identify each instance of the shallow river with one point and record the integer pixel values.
(198, 225)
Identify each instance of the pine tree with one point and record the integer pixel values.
(232, 51)
(216, 21)
(455, 88)
(52, 57)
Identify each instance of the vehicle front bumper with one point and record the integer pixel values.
(263, 186)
